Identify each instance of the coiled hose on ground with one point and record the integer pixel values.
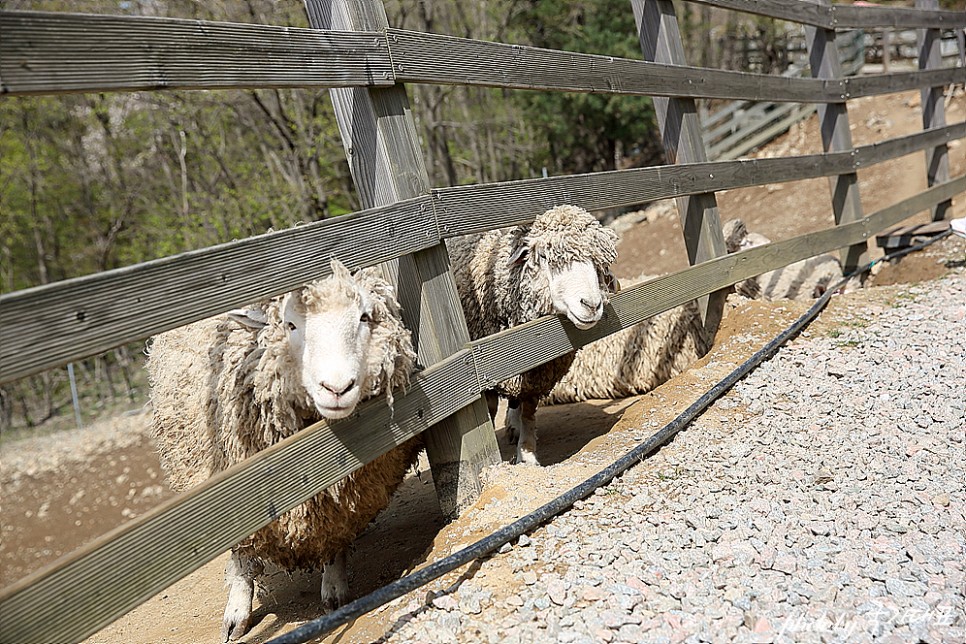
(323, 625)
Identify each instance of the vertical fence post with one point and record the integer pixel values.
(933, 110)
(660, 38)
(823, 57)
(379, 135)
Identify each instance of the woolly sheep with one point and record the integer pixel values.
(229, 386)
(809, 278)
(559, 264)
(637, 359)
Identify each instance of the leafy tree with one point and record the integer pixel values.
(585, 132)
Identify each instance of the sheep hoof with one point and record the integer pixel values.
(526, 456)
(235, 624)
(330, 604)
(335, 583)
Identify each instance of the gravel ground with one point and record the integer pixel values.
(822, 499)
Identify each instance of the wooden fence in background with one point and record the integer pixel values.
(352, 50)
(742, 126)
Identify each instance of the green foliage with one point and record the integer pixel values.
(585, 132)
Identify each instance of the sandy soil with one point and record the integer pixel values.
(50, 510)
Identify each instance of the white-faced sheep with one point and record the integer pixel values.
(808, 278)
(229, 386)
(637, 359)
(559, 264)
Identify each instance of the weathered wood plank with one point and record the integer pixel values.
(501, 355)
(680, 127)
(843, 16)
(136, 301)
(867, 17)
(808, 13)
(44, 53)
(89, 588)
(900, 146)
(933, 109)
(904, 236)
(379, 134)
(876, 84)
(834, 125)
(432, 58)
(91, 314)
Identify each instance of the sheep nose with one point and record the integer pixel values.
(592, 304)
(338, 389)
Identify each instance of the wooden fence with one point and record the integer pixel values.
(351, 49)
(741, 126)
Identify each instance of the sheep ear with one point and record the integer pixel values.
(611, 283)
(519, 256)
(339, 269)
(249, 318)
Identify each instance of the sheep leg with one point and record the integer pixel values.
(335, 583)
(514, 421)
(527, 444)
(492, 402)
(240, 574)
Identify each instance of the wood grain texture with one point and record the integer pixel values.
(833, 119)
(866, 17)
(876, 84)
(379, 134)
(933, 109)
(843, 16)
(432, 58)
(43, 53)
(90, 314)
(86, 590)
(681, 136)
(808, 13)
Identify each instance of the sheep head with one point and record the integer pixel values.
(566, 258)
(340, 339)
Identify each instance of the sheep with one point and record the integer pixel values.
(558, 264)
(637, 359)
(806, 279)
(229, 386)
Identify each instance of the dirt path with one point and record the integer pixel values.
(48, 511)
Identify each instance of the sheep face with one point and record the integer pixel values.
(329, 345)
(567, 255)
(575, 292)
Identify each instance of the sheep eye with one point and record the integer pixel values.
(365, 318)
(290, 326)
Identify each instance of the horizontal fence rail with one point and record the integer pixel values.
(45, 53)
(841, 16)
(91, 587)
(416, 57)
(87, 315)
(49, 52)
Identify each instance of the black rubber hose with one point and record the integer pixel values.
(323, 625)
